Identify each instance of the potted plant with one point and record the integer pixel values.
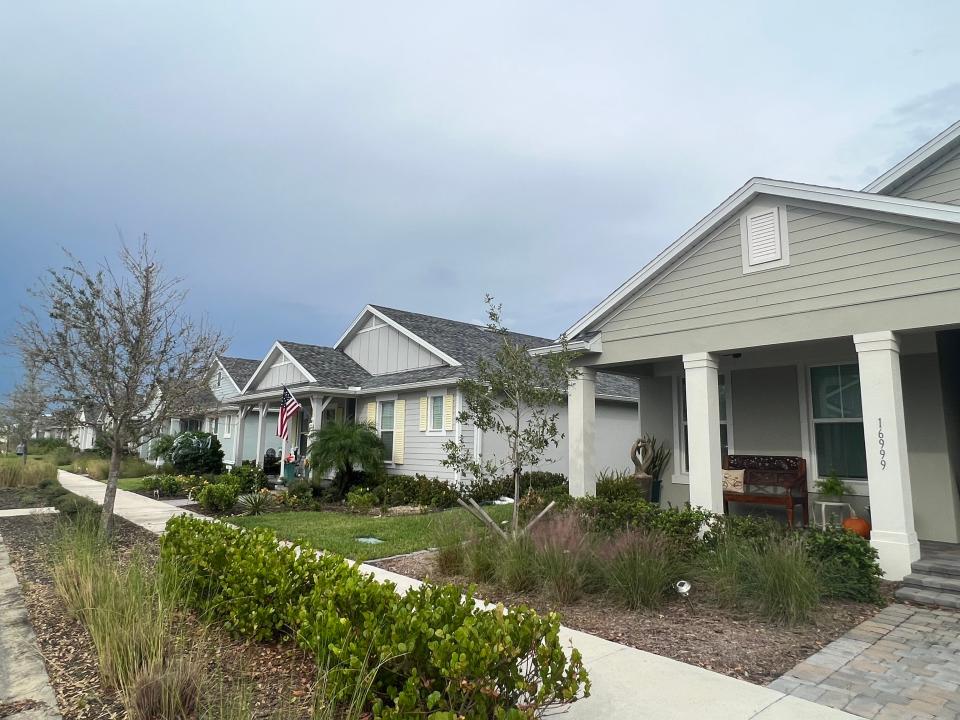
(660, 456)
(832, 488)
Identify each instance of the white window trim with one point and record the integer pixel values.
(857, 485)
(442, 432)
(762, 209)
(382, 399)
(681, 476)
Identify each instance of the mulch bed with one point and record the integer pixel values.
(693, 631)
(15, 498)
(277, 675)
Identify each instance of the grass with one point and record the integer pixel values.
(338, 532)
(133, 484)
(15, 474)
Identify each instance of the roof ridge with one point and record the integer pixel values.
(477, 326)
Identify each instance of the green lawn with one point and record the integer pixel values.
(338, 532)
(131, 484)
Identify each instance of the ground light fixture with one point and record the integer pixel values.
(683, 587)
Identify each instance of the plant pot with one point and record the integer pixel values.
(655, 492)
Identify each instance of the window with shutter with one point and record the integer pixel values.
(764, 239)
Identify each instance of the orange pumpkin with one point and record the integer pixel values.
(857, 525)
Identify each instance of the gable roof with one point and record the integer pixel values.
(327, 366)
(917, 161)
(240, 370)
(901, 207)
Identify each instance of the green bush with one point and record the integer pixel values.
(42, 446)
(249, 478)
(164, 484)
(642, 566)
(619, 485)
(536, 480)
(847, 564)
(258, 503)
(416, 490)
(433, 650)
(680, 526)
(361, 499)
(196, 453)
(300, 489)
(74, 505)
(60, 456)
(217, 497)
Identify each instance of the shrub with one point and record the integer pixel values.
(537, 480)
(97, 468)
(681, 527)
(164, 484)
(60, 456)
(416, 490)
(74, 506)
(196, 453)
(641, 568)
(432, 650)
(361, 499)
(847, 564)
(42, 446)
(258, 503)
(517, 566)
(566, 563)
(249, 478)
(300, 489)
(619, 485)
(217, 497)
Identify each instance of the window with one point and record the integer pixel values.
(684, 435)
(215, 426)
(838, 421)
(385, 426)
(435, 413)
(219, 377)
(228, 426)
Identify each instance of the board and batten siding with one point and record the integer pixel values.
(280, 371)
(381, 349)
(939, 183)
(846, 274)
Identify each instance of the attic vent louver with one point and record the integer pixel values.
(763, 237)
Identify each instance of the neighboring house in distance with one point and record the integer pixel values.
(398, 371)
(799, 320)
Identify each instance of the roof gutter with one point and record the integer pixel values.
(588, 345)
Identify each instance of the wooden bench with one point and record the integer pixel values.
(770, 480)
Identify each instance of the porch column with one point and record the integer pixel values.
(238, 435)
(261, 412)
(703, 431)
(888, 470)
(581, 417)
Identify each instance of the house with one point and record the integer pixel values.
(808, 321)
(398, 371)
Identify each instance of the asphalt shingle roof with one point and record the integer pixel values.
(240, 369)
(330, 367)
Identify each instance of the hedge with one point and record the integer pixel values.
(437, 655)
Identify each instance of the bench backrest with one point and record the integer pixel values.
(784, 471)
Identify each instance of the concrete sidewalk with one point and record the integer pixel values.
(627, 683)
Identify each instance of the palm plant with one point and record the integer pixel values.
(343, 447)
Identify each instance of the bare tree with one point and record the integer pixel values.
(23, 408)
(119, 340)
(516, 396)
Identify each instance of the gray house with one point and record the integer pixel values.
(806, 321)
(397, 370)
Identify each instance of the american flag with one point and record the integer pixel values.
(288, 408)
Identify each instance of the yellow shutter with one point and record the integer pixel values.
(423, 414)
(448, 412)
(372, 413)
(399, 407)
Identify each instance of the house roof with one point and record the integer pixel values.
(851, 199)
(240, 370)
(327, 366)
(917, 161)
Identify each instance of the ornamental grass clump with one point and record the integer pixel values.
(15, 473)
(641, 567)
(517, 565)
(567, 563)
(449, 536)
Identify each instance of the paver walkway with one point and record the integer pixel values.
(904, 664)
(627, 683)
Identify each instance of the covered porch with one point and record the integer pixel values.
(881, 410)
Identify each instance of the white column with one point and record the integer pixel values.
(888, 470)
(581, 419)
(703, 431)
(238, 435)
(261, 413)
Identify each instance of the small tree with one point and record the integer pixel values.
(119, 340)
(515, 395)
(23, 408)
(342, 447)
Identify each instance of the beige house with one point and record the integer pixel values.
(807, 321)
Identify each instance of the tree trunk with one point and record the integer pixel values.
(26, 449)
(516, 500)
(110, 495)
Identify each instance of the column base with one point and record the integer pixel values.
(897, 552)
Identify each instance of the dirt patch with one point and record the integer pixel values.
(275, 675)
(692, 630)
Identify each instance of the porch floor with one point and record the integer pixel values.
(940, 552)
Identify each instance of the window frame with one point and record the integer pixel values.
(857, 485)
(681, 474)
(227, 425)
(431, 412)
(392, 399)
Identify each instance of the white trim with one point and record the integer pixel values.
(591, 345)
(263, 363)
(399, 328)
(903, 207)
(431, 394)
(457, 427)
(681, 475)
(782, 237)
(380, 430)
(924, 154)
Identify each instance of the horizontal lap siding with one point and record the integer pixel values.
(941, 183)
(835, 261)
(386, 350)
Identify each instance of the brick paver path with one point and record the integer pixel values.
(903, 664)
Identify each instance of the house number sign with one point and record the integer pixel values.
(881, 442)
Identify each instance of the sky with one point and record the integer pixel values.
(292, 162)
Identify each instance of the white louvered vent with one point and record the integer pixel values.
(763, 237)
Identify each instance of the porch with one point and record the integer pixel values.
(880, 410)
